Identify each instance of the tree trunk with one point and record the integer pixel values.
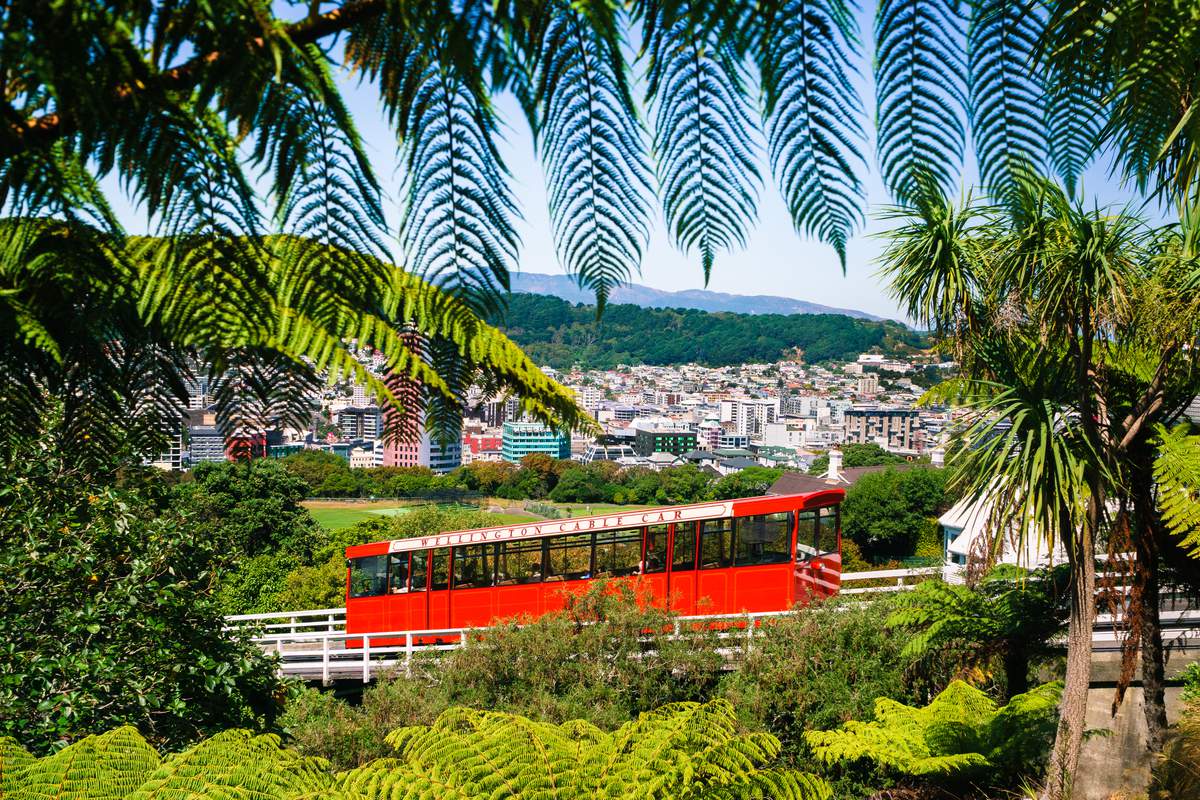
(1064, 758)
(1016, 672)
(1153, 669)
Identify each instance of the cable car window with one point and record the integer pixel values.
(519, 562)
(398, 574)
(441, 569)
(420, 562)
(618, 553)
(827, 529)
(655, 559)
(569, 557)
(764, 539)
(716, 543)
(806, 536)
(474, 565)
(368, 576)
(683, 557)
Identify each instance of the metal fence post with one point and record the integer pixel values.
(324, 660)
(366, 659)
(408, 651)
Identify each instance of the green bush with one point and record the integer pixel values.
(108, 614)
(962, 738)
(604, 659)
(686, 751)
(816, 670)
(886, 512)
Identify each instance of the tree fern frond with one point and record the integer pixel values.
(108, 765)
(236, 764)
(702, 128)
(457, 229)
(921, 92)
(1075, 116)
(814, 137)
(1007, 92)
(1177, 473)
(590, 143)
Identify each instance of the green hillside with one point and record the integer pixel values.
(555, 332)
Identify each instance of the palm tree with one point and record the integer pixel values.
(1073, 326)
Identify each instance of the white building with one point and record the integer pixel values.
(749, 416)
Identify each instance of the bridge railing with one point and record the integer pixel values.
(330, 654)
(328, 620)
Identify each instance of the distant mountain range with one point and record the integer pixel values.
(564, 287)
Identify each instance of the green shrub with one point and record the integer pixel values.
(960, 738)
(109, 617)
(1174, 775)
(818, 668)
(686, 751)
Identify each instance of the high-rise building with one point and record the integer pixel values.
(749, 416)
(868, 385)
(894, 429)
(425, 451)
(519, 439)
(205, 441)
(664, 440)
(359, 422)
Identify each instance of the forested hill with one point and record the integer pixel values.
(555, 332)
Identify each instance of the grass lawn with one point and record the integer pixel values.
(335, 514)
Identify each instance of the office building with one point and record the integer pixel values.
(519, 439)
(664, 440)
(895, 429)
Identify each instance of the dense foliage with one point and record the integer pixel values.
(605, 659)
(555, 332)
(1010, 619)
(886, 512)
(686, 750)
(961, 738)
(109, 616)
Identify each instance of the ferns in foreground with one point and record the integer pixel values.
(685, 750)
(962, 735)
(1177, 473)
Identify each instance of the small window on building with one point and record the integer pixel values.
(368, 576)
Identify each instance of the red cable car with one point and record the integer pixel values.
(755, 554)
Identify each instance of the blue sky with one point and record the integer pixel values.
(776, 260)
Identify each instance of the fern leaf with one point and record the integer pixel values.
(457, 227)
(590, 142)
(110, 765)
(14, 760)
(235, 764)
(921, 93)
(1007, 92)
(1075, 118)
(1177, 473)
(814, 136)
(702, 128)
